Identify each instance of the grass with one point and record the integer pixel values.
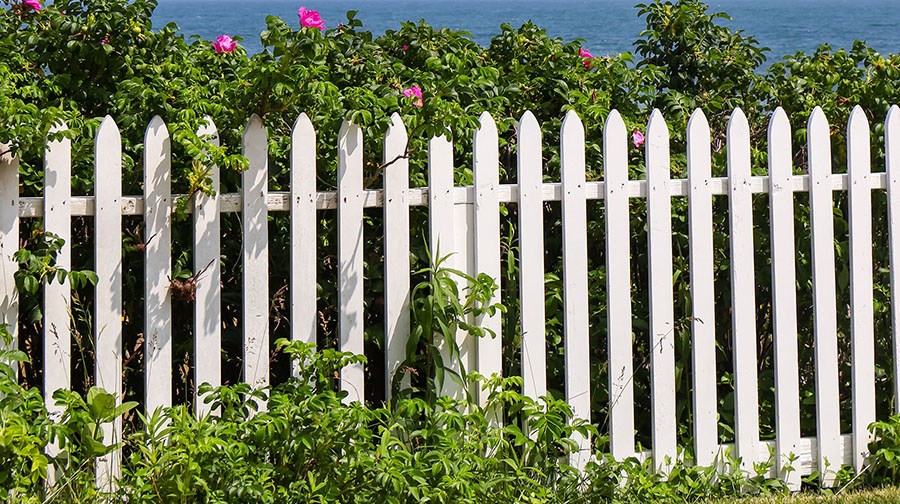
(875, 496)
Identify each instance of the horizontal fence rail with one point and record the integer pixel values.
(465, 221)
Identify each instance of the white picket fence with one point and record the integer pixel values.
(466, 221)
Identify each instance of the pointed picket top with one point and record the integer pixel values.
(108, 134)
(303, 126)
(254, 131)
(698, 137)
(573, 119)
(156, 124)
(738, 144)
(656, 126)
(486, 122)
(614, 122)
(396, 131)
(779, 139)
(817, 128)
(858, 145)
(657, 145)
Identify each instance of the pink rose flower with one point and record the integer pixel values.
(34, 4)
(414, 92)
(638, 138)
(310, 19)
(405, 47)
(584, 53)
(224, 44)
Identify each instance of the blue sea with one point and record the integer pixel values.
(605, 26)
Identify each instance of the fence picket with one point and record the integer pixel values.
(892, 167)
(618, 288)
(350, 256)
(861, 311)
(396, 249)
(58, 220)
(486, 170)
(9, 244)
(828, 426)
(254, 182)
(784, 300)
(743, 292)
(442, 237)
(158, 266)
(531, 256)
(108, 301)
(304, 240)
(575, 279)
(208, 301)
(662, 324)
(703, 323)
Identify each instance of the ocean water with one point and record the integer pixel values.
(605, 26)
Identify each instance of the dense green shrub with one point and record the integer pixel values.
(77, 60)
